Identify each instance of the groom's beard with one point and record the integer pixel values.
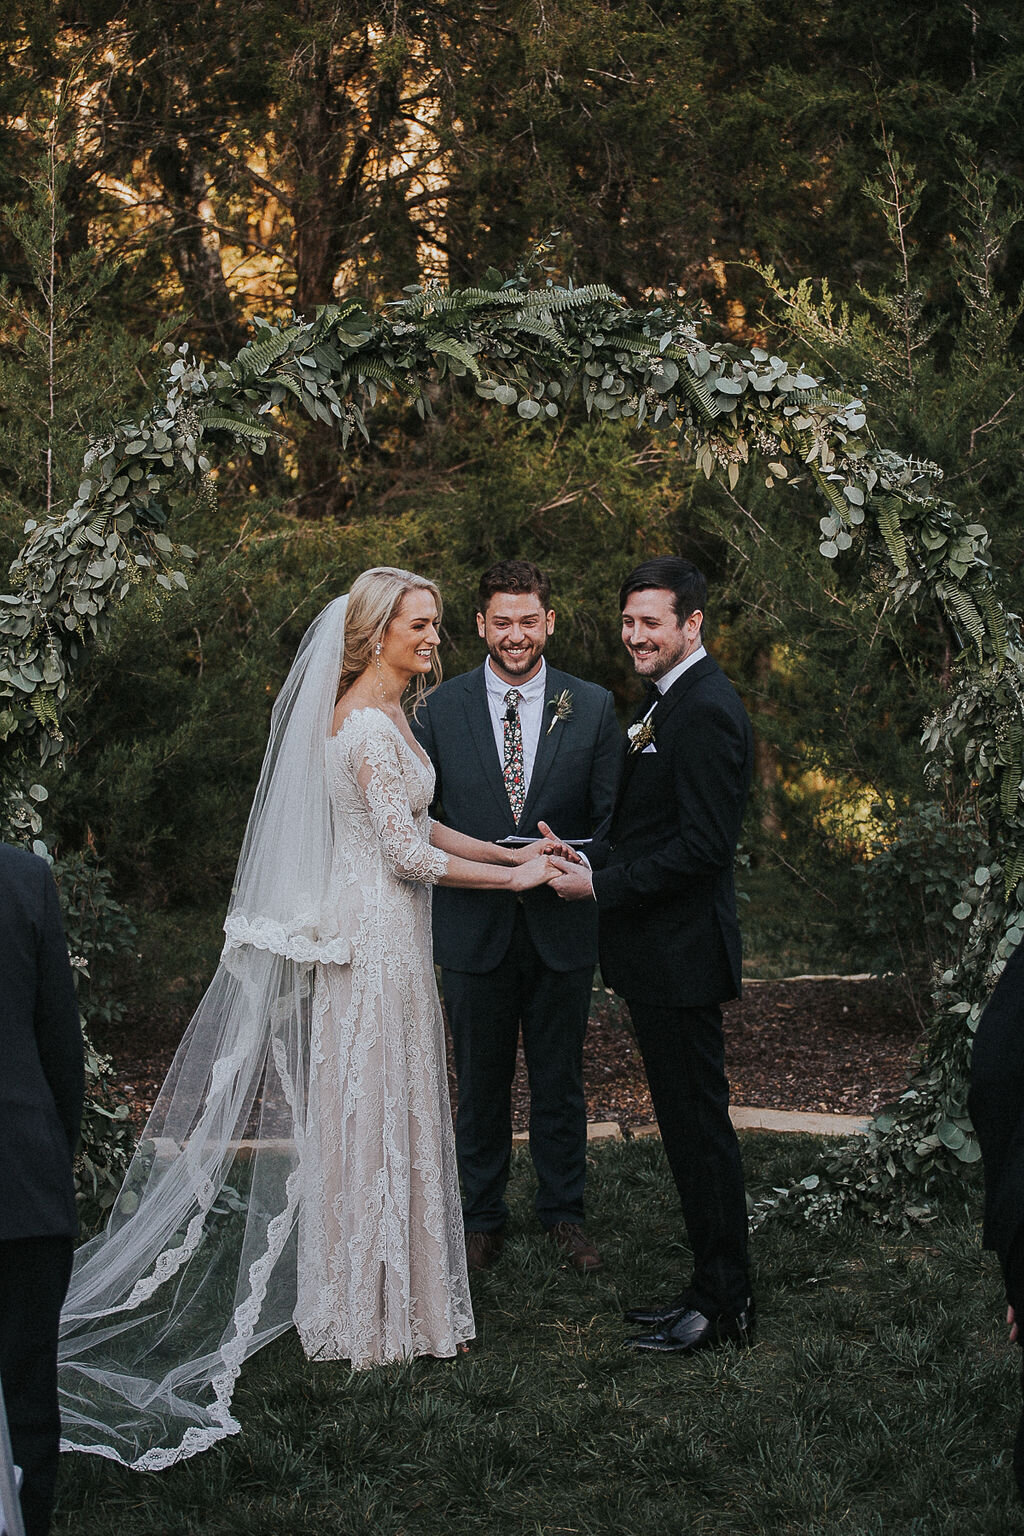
(652, 663)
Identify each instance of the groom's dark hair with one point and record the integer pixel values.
(513, 576)
(672, 574)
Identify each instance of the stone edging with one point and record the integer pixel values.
(804, 1123)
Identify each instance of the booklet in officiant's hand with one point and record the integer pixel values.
(522, 842)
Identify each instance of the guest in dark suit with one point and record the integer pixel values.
(670, 940)
(41, 1089)
(513, 742)
(996, 1106)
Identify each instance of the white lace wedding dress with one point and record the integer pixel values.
(298, 1166)
(381, 1256)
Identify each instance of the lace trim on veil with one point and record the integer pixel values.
(300, 940)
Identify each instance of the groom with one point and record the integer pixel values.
(513, 742)
(670, 941)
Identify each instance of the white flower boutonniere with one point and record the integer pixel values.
(640, 736)
(562, 706)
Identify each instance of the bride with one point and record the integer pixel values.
(299, 1164)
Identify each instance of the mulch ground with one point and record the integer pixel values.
(834, 1046)
(837, 1046)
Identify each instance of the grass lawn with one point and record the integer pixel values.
(881, 1397)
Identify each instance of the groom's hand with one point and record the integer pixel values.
(548, 842)
(574, 883)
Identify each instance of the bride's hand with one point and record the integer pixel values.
(535, 871)
(548, 843)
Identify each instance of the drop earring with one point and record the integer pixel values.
(380, 678)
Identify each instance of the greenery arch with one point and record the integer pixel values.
(532, 348)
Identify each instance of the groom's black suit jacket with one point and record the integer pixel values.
(572, 788)
(41, 1079)
(669, 932)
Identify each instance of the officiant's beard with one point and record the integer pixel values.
(519, 665)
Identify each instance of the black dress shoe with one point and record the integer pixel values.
(692, 1331)
(658, 1317)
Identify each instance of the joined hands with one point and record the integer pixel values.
(545, 845)
(551, 861)
(571, 879)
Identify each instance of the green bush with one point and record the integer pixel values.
(910, 884)
(100, 937)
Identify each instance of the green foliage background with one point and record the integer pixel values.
(840, 183)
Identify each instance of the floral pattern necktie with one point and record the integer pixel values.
(513, 769)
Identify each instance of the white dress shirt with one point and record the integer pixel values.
(663, 684)
(531, 714)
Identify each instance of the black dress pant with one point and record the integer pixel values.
(684, 1058)
(485, 1015)
(34, 1274)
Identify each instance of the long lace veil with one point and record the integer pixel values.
(196, 1269)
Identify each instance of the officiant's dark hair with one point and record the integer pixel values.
(672, 574)
(513, 576)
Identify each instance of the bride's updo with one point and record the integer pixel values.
(373, 602)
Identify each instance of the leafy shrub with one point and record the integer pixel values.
(913, 883)
(100, 937)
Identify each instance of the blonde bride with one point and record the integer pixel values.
(298, 1166)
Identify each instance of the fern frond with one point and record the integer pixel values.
(451, 301)
(995, 618)
(832, 494)
(44, 706)
(254, 360)
(699, 392)
(450, 347)
(96, 525)
(1014, 872)
(827, 399)
(537, 325)
(382, 373)
(963, 610)
(331, 317)
(803, 438)
(640, 346)
(217, 419)
(557, 300)
(887, 516)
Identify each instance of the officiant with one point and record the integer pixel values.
(514, 742)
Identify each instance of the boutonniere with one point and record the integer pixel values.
(562, 706)
(640, 736)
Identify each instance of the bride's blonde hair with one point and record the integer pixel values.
(373, 602)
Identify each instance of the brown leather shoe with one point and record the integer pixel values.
(483, 1249)
(577, 1247)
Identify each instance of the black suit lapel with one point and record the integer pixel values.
(667, 702)
(549, 743)
(481, 733)
(681, 687)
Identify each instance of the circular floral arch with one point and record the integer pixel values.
(531, 348)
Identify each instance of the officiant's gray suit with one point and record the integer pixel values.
(509, 961)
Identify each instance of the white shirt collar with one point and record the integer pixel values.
(663, 684)
(530, 692)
